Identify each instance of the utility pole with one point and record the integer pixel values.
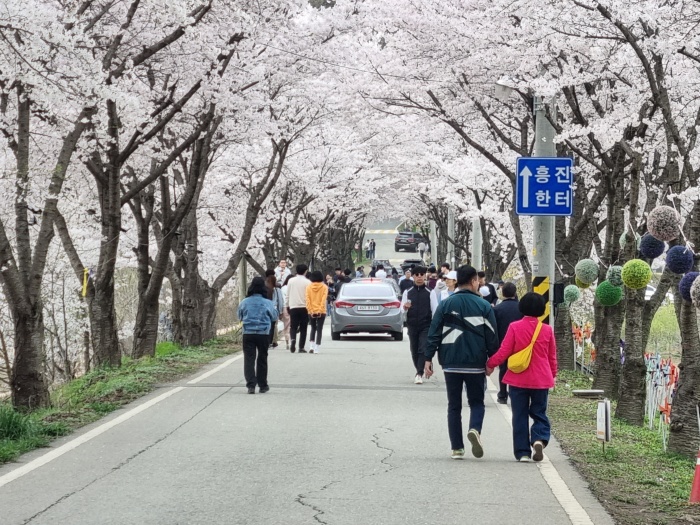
(477, 244)
(433, 243)
(242, 279)
(543, 264)
(450, 236)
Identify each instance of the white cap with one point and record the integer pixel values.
(484, 291)
(451, 275)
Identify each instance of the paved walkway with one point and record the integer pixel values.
(343, 437)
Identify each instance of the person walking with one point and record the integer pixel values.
(257, 314)
(491, 297)
(421, 248)
(316, 300)
(463, 335)
(416, 302)
(286, 319)
(331, 294)
(281, 271)
(529, 389)
(381, 272)
(443, 289)
(507, 312)
(275, 295)
(296, 303)
(372, 249)
(406, 282)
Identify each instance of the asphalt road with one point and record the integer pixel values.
(384, 233)
(343, 437)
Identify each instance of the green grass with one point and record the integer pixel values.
(100, 392)
(634, 478)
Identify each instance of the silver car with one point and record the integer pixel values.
(367, 306)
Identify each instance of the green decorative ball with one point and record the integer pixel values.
(623, 240)
(636, 274)
(586, 271)
(607, 294)
(571, 294)
(614, 275)
(581, 284)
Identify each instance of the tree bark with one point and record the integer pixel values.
(564, 339)
(29, 388)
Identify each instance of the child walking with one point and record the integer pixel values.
(316, 295)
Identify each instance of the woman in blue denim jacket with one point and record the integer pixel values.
(257, 313)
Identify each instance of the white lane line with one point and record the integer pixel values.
(577, 514)
(213, 371)
(80, 440)
(75, 443)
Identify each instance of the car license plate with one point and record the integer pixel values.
(367, 308)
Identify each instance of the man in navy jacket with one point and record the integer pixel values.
(508, 311)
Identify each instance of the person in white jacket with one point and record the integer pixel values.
(295, 302)
(443, 289)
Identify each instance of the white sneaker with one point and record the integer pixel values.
(317, 349)
(418, 380)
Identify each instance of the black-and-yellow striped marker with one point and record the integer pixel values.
(540, 285)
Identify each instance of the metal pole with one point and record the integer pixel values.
(451, 235)
(477, 244)
(242, 279)
(543, 264)
(433, 243)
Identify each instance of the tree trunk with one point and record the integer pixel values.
(631, 404)
(146, 329)
(683, 437)
(29, 388)
(565, 342)
(103, 325)
(608, 324)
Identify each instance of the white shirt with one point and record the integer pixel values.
(381, 274)
(281, 274)
(296, 292)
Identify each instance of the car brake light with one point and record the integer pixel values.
(393, 304)
(343, 304)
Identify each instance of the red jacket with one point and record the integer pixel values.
(543, 365)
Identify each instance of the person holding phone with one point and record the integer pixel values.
(416, 303)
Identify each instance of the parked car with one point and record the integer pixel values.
(408, 264)
(408, 241)
(386, 263)
(651, 290)
(367, 305)
(388, 280)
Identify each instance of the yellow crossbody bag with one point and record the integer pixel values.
(519, 361)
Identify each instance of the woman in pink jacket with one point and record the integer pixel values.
(529, 389)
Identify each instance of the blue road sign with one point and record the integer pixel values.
(544, 186)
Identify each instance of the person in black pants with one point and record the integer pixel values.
(416, 303)
(508, 311)
(296, 304)
(257, 314)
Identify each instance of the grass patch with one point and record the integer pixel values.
(100, 392)
(637, 482)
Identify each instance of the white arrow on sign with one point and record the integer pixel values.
(526, 174)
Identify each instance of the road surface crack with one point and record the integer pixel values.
(385, 460)
(125, 462)
(319, 512)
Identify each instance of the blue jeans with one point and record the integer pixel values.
(529, 403)
(474, 385)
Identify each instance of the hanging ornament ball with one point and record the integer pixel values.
(623, 239)
(581, 284)
(695, 293)
(684, 286)
(664, 223)
(586, 271)
(614, 275)
(636, 274)
(571, 294)
(679, 259)
(651, 247)
(607, 294)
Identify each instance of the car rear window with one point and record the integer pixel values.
(367, 291)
